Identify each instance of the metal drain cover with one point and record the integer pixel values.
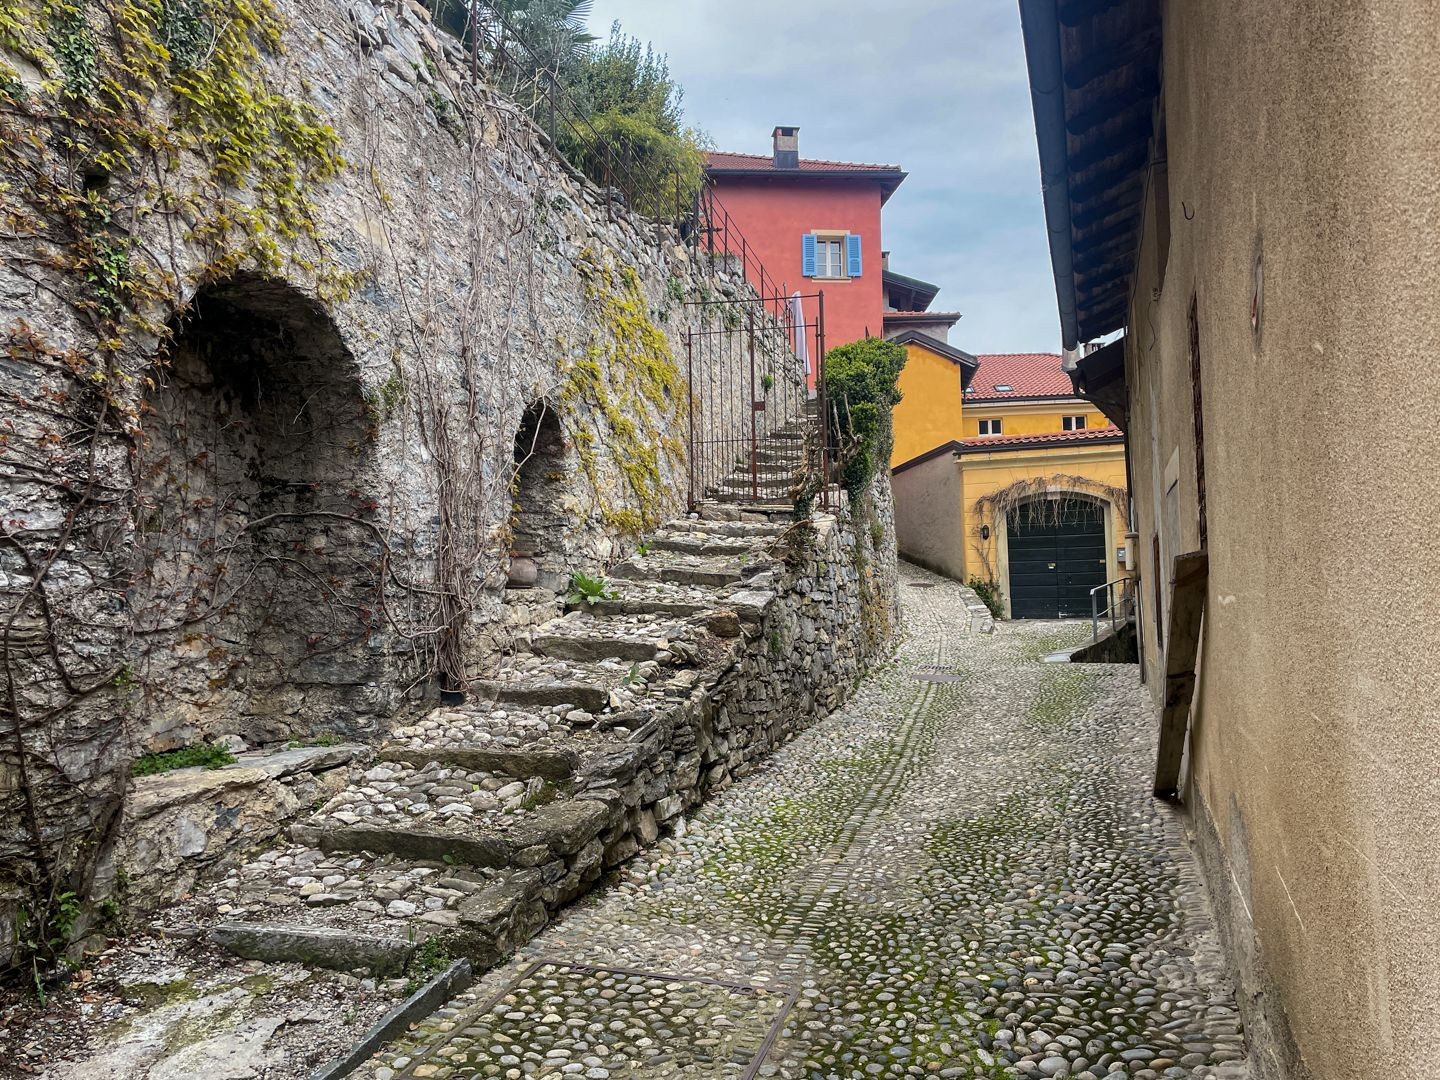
(937, 676)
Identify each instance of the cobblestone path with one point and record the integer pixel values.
(960, 874)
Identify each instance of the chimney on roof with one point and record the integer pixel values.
(787, 147)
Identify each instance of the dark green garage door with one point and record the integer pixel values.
(1057, 555)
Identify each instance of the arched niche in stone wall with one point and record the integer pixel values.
(258, 592)
(541, 521)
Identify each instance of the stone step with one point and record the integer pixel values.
(776, 514)
(336, 948)
(680, 569)
(524, 838)
(557, 764)
(589, 647)
(754, 530)
(765, 500)
(339, 892)
(585, 696)
(698, 543)
(769, 470)
(481, 726)
(789, 455)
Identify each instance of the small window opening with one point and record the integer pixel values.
(1073, 423)
(1004, 388)
(992, 427)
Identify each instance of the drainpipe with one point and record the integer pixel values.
(1040, 25)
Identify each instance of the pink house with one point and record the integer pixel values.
(814, 225)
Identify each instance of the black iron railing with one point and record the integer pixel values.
(757, 428)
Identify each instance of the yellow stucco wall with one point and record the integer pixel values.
(1029, 419)
(984, 474)
(929, 410)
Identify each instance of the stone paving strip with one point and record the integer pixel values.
(958, 874)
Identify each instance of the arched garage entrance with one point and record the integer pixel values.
(1056, 555)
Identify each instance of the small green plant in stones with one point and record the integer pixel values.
(643, 548)
(206, 754)
(588, 590)
(431, 958)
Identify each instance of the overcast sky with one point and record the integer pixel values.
(936, 86)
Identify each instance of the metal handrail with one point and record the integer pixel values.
(1112, 609)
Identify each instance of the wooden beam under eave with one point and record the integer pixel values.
(1079, 11)
(1124, 171)
(1144, 46)
(1136, 131)
(1189, 584)
(1139, 95)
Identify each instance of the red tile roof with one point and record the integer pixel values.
(1030, 375)
(716, 159)
(1047, 438)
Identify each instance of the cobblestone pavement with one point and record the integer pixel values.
(960, 874)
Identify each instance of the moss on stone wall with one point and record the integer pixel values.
(628, 376)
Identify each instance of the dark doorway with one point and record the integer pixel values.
(540, 524)
(1056, 556)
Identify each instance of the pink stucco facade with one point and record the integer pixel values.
(776, 212)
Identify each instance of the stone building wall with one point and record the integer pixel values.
(273, 311)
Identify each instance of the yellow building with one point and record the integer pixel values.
(933, 388)
(1023, 486)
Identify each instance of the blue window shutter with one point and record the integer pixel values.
(807, 255)
(852, 255)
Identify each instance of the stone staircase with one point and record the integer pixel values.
(474, 824)
(779, 464)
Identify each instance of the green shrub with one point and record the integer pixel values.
(989, 594)
(861, 383)
(205, 754)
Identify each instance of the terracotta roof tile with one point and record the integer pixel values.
(1047, 438)
(1029, 375)
(716, 159)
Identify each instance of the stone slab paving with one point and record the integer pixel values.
(960, 874)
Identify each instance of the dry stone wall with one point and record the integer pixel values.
(280, 284)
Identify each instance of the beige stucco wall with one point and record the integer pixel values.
(1308, 129)
(927, 515)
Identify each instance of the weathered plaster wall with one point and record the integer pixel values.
(399, 298)
(928, 515)
(1306, 131)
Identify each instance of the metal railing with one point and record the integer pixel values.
(755, 366)
(757, 430)
(1119, 609)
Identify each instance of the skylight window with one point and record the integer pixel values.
(1003, 388)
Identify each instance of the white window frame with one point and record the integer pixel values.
(1073, 423)
(996, 426)
(837, 242)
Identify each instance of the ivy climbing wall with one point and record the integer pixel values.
(280, 282)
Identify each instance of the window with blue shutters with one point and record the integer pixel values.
(834, 255)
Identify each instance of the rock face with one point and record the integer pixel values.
(274, 425)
